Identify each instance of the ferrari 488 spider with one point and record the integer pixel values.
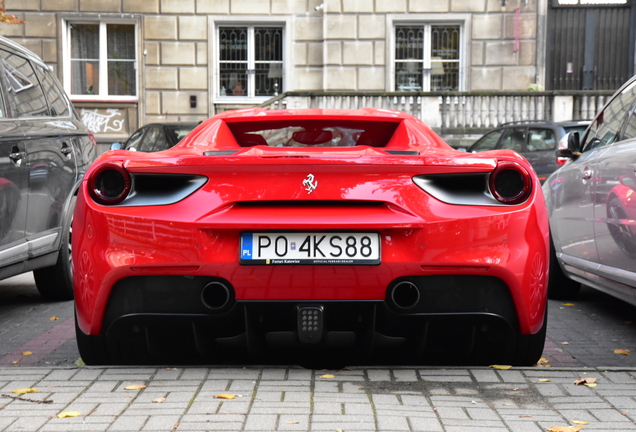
(316, 237)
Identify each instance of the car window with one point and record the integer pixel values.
(25, 94)
(148, 141)
(630, 127)
(514, 139)
(160, 142)
(58, 103)
(133, 141)
(606, 126)
(540, 139)
(487, 142)
(175, 133)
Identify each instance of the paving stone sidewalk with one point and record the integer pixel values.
(294, 399)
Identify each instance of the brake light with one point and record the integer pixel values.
(92, 138)
(510, 183)
(109, 184)
(561, 160)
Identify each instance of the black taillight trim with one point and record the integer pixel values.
(95, 191)
(523, 190)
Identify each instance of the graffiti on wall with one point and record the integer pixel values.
(103, 120)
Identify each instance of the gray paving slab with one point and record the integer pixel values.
(292, 399)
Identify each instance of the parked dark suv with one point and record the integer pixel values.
(535, 140)
(44, 152)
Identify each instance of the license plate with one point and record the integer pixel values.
(310, 248)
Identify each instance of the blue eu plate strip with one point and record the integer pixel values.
(246, 246)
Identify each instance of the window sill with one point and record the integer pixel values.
(97, 99)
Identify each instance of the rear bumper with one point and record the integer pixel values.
(455, 320)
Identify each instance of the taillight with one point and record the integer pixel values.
(109, 184)
(92, 138)
(510, 183)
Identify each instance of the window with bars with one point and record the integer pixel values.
(427, 57)
(250, 61)
(102, 60)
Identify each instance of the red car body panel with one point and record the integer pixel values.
(359, 188)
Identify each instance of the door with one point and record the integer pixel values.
(587, 181)
(49, 153)
(14, 182)
(540, 150)
(615, 210)
(589, 48)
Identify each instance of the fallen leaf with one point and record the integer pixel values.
(508, 404)
(579, 422)
(501, 367)
(25, 391)
(27, 353)
(525, 416)
(565, 343)
(172, 369)
(15, 362)
(159, 400)
(629, 322)
(327, 376)
(225, 396)
(53, 318)
(544, 380)
(585, 381)
(68, 414)
(621, 351)
(591, 385)
(565, 428)
(292, 422)
(135, 387)
(543, 360)
(568, 304)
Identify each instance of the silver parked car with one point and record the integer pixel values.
(592, 204)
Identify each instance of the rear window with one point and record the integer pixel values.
(319, 133)
(578, 128)
(177, 133)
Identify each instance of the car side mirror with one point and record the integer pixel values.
(569, 146)
(115, 146)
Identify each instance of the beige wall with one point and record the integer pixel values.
(343, 45)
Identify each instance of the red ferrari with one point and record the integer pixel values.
(312, 237)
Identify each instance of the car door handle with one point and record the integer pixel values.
(15, 157)
(66, 149)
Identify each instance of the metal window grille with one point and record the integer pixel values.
(427, 57)
(250, 61)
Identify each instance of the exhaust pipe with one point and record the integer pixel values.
(216, 295)
(405, 295)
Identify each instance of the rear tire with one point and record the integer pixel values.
(560, 287)
(530, 347)
(92, 349)
(55, 283)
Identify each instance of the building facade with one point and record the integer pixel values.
(126, 63)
